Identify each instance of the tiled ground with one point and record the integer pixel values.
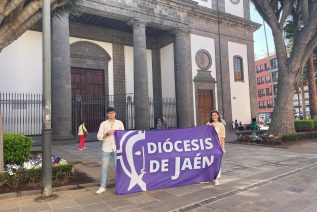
(254, 178)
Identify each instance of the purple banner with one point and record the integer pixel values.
(148, 160)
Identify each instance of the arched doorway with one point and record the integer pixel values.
(89, 84)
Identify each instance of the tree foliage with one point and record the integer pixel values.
(308, 73)
(277, 13)
(17, 16)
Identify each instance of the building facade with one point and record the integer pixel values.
(199, 53)
(267, 80)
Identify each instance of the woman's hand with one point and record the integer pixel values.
(223, 150)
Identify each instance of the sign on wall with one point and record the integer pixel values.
(148, 160)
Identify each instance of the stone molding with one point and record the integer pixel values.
(204, 81)
(84, 50)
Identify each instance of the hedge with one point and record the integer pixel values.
(306, 125)
(16, 148)
(298, 136)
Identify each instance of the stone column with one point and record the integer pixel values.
(141, 96)
(119, 81)
(61, 80)
(183, 79)
(157, 82)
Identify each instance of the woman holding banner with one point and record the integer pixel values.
(215, 120)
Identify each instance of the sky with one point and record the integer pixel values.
(259, 37)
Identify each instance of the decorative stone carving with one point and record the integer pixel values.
(203, 59)
(235, 1)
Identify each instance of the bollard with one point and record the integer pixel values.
(1, 143)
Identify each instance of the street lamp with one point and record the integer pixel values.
(269, 64)
(46, 119)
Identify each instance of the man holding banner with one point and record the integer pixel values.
(106, 135)
(148, 160)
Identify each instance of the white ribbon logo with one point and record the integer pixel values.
(135, 177)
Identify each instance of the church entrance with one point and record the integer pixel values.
(88, 94)
(205, 105)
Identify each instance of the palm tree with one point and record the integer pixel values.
(17, 16)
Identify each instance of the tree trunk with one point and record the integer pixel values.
(283, 113)
(312, 87)
(302, 91)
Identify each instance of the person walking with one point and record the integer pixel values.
(253, 123)
(106, 135)
(159, 124)
(82, 132)
(164, 123)
(215, 120)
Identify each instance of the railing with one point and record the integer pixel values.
(22, 113)
(92, 111)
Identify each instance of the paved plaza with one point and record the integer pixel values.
(254, 178)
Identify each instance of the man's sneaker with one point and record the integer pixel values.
(100, 190)
(217, 182)
(80, 149)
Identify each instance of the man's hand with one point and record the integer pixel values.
(111, 132)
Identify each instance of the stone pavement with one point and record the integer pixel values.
(254, 178)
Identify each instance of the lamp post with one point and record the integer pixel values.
(269, 65)
(46, 119)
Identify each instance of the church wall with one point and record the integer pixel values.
(235, 9)
(129, 75)
(21, 65)
(240, 97)
(204, 3)
(197, 43)
(167, 71)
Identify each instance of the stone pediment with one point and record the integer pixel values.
(204, 77)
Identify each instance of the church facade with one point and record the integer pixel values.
(198, 54)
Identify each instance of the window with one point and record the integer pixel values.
(258, 80)
(238, 68)
(275, 89)
(267, 79)
(263, 80)
(258, 69)
(267, 91)
(275, 76)
(274, 63)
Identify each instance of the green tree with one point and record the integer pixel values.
(17, 16)
(276, 13)
(308, 75)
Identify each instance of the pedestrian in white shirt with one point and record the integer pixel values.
(106, 135)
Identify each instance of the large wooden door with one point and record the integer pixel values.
(88, 92)
(205, 105)
(88, 82)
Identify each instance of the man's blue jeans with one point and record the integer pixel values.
(106, 156)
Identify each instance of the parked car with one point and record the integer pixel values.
(263, 127)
